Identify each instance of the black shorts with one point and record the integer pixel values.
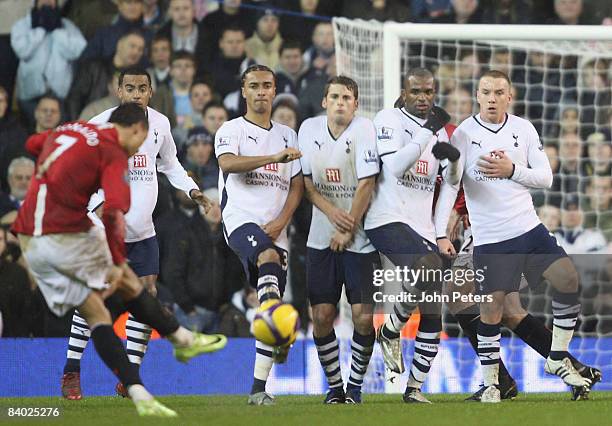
(328, 271)
(501, 264)
(143, 256)
(400, 243)
(248, 241)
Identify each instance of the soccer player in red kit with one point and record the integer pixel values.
(72, 261)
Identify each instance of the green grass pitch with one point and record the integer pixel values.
(528, 409)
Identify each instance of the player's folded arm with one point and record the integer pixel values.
(538, 174)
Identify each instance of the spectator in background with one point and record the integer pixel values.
(599, 152)
(182, 28)
(312, 86)
(469, 69)
(213, 26)
(16, 296)
(161, 52)
(598, 205)
(291, 68)
(91, 15)
(567, 12)
(236, 317)
(182, 71)
(229, 65)
(598, 12)
(213, 116)
(319, 55)
(94, 75)
(46, 45)
(200, 270)
(200, 94)
(153, 17)
(104, 43)
(515, 12)
(568, 119)
(264, 45)
(12, 138)
(540, 89)
(550, 217)
(502, 60)
(10, 13)
(446, 78)
(458, 104)
(594, 93)
(200, 159)
(572, 236)
(285, 112)
(102, 104)
(380, 10)
(570, 148)
(20, 173)
(426, 10)
(301, 27)
(48, 113)
(461, 12)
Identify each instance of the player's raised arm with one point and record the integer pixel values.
(403, 159)
(232, 163)
(296, 191)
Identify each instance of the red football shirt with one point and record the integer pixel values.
(460, 201)
(74, 161)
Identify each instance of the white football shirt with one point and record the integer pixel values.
(335, 166)
(407, 200)
(500, 208)
(257, 196)
(157, 153)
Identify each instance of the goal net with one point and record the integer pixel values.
(561, 83)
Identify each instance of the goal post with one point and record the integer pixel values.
(562, 83)
(365, 47)
(393, 32)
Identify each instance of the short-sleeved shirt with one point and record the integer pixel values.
(336, 166)
(257, 196)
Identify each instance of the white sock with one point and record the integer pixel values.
(181, 338)
(139, 393)
(561, 339)
(490, 374)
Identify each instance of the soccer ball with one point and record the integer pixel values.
(276, 323)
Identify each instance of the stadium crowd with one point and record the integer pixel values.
(61, 61)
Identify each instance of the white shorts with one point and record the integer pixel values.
(68, 267)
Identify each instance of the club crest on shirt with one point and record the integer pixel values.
(385, 133)
(422, 167)
(333, 175)
(370, 156)
(140, 161)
